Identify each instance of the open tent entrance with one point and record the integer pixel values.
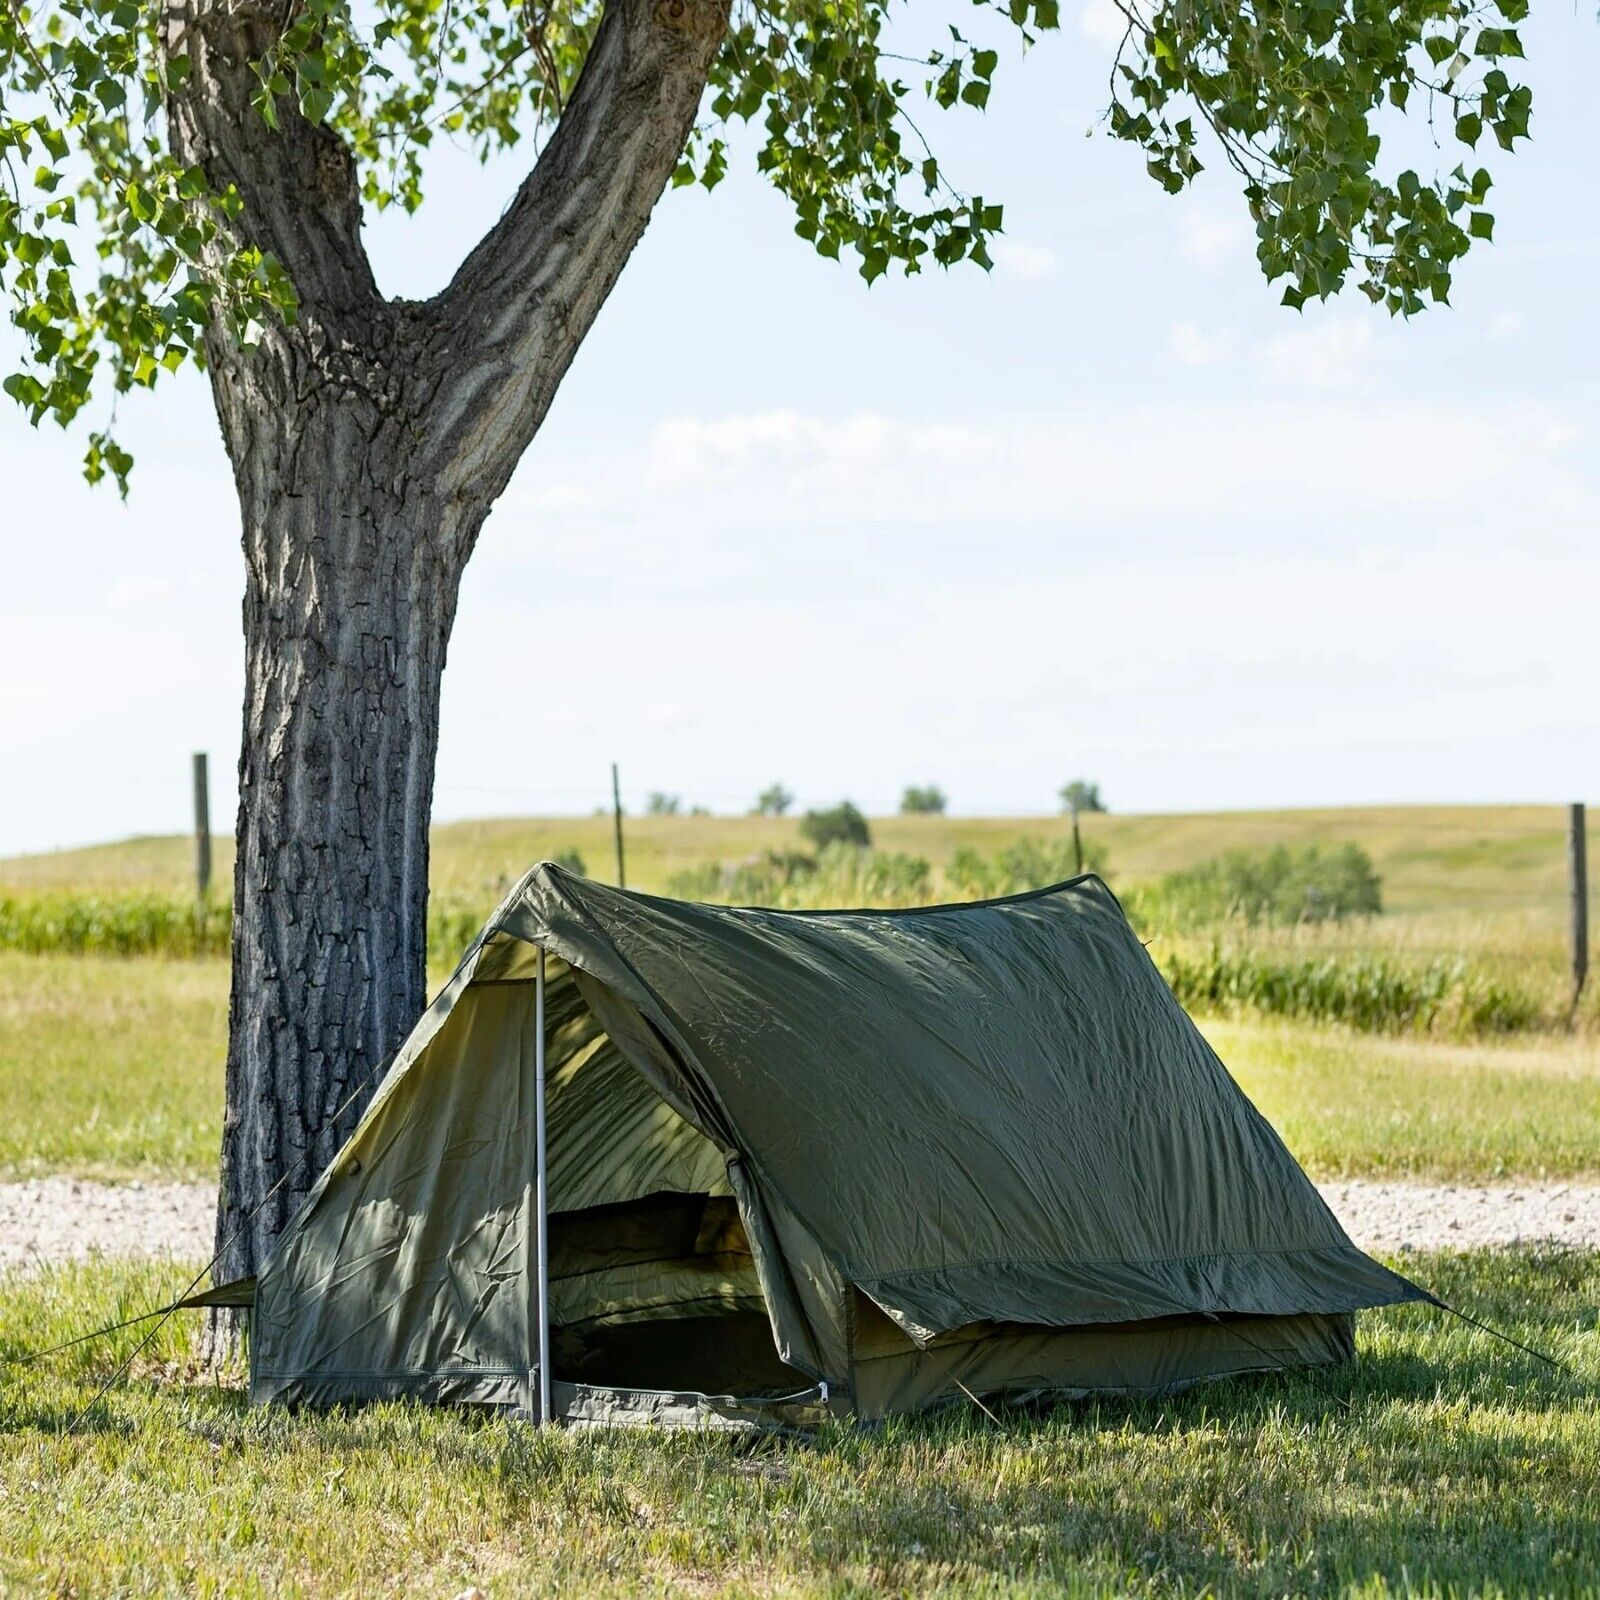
(653, 1282)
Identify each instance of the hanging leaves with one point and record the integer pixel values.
(1296, 95)
(114, 259)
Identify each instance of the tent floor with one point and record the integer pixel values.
(724, 1354)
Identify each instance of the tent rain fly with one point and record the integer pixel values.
(858, 1162)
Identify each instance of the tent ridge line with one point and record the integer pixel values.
(550, 868)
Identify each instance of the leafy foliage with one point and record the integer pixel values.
(923, 800)
(840, 824)
(115, 258)
(1279, 886)
(1296, 93)
(1081, 795)
(662, 805)
(773, 801)
(1022, 865)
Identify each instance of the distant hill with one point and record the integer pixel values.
(1494, 859)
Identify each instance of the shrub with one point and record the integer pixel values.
(1278, 886)
(924, 800)
(1026, 864)
(840, 824)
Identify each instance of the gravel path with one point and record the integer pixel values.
(52, 1219)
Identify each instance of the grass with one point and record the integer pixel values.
(1462, 1467)
(113, 1069)
(1352, 1106)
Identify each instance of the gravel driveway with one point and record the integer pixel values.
(53, 1219)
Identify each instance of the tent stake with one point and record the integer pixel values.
(541, 1195)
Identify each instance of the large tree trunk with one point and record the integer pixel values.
(369, 439)
(350, 596)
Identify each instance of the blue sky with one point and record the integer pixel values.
(1109, 511)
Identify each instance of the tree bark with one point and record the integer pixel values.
(351, 591)
(369, 439)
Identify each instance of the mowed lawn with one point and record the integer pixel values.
(1461, 1467)
(113, 1069)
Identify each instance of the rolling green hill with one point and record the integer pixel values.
(1432, 859)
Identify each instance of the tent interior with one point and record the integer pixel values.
(653, 1284)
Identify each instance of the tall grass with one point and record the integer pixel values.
(113, 924)
(1372, 993)
(144, 924)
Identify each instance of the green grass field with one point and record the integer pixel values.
(113, 1069)
(1482, 883)
(1461, 1467)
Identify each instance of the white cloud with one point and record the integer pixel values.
(140, 594)
(1195, 347)
(1102, 22)
(1475, 469)
(1212, 239)
(1324, 351)
(1024, 260)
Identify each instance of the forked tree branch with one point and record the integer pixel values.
(515, 313)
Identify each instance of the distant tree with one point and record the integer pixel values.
(1081, 795)
(699, 811)
(840, 824)
(773, 801)
(571, 860)
(662, 805)
(922, 800)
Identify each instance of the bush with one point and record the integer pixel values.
(1026, 864)
(925, 800)
(840, 824)
(1278, 886)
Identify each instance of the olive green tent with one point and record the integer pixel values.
(859, 1162)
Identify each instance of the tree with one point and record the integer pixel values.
(773, 801)
(185, 181)
(925, 800)
(1081, 795)
(840, 824)
(662, 805)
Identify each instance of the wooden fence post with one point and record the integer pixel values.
(1578, 885)
(202, 828)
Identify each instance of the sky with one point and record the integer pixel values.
(1109, 511)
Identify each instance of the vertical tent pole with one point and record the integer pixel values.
(541, 1195)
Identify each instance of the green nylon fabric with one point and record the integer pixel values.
(984, 1116)
(987, 1112)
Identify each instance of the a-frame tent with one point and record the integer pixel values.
(852, 1162)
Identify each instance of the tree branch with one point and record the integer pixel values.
(513, 317)
(301, 197)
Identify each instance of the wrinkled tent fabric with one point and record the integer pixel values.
(801, 1162)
